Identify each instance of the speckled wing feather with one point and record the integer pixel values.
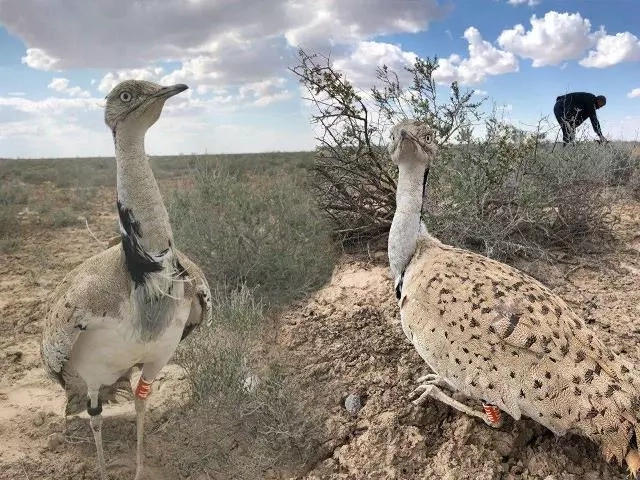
(96, 290)
(197, 287)
(501, 336)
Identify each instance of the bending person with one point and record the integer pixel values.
(574, 108)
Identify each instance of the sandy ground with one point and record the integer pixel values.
(344, 339)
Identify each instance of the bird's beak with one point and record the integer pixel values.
(167, 92)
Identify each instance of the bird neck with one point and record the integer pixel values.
(140, 204)
(407, 226)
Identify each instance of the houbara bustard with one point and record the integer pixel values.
(497, 335)
(131, 304)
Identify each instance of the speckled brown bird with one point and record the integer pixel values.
(498, 335)
(130, 305)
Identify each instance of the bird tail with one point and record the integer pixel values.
(633, 462)
(627, 401)
(76, 391)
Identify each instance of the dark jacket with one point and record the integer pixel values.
(576, 107)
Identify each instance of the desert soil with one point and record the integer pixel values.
(345, 339)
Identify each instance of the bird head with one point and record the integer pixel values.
(412, 141)
(137, 104)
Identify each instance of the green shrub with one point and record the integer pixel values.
(507, 194)
(503, 192)
(260, 230)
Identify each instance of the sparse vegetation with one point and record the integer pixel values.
(236, 399)
(507, 194)
(262, 244)
(10, 231)
(252, 224)
(262, 231)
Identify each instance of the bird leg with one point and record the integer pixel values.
(142, 391)
(140, 408)
(431, 379)
(94, 409)
(431, 389)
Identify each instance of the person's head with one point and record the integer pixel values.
(601, 101)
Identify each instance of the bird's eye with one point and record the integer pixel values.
(125, 96)
(428, 138)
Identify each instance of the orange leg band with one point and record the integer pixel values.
(492, 412)
(143, 389)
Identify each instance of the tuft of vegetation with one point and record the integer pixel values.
(215, 358)
(13, 193)
(504, 192)
(634, 177)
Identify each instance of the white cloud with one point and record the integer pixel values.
(330, 22)
(111, 79)
(49, 105)
(484, 59)
(233, 61)
(38, 58)
(613, 49)
(65, 138)
(60, 84)
(552, 39)
(16, 94)
(634, 93)
(266, 92)
(531, 3)
(120, 34)
(360, 66)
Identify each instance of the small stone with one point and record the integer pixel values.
(79, 468)
(353, 403)
(14, 355)
(39, 419)
(250, 383)
(55, 440)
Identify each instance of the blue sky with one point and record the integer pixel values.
(59, 58)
